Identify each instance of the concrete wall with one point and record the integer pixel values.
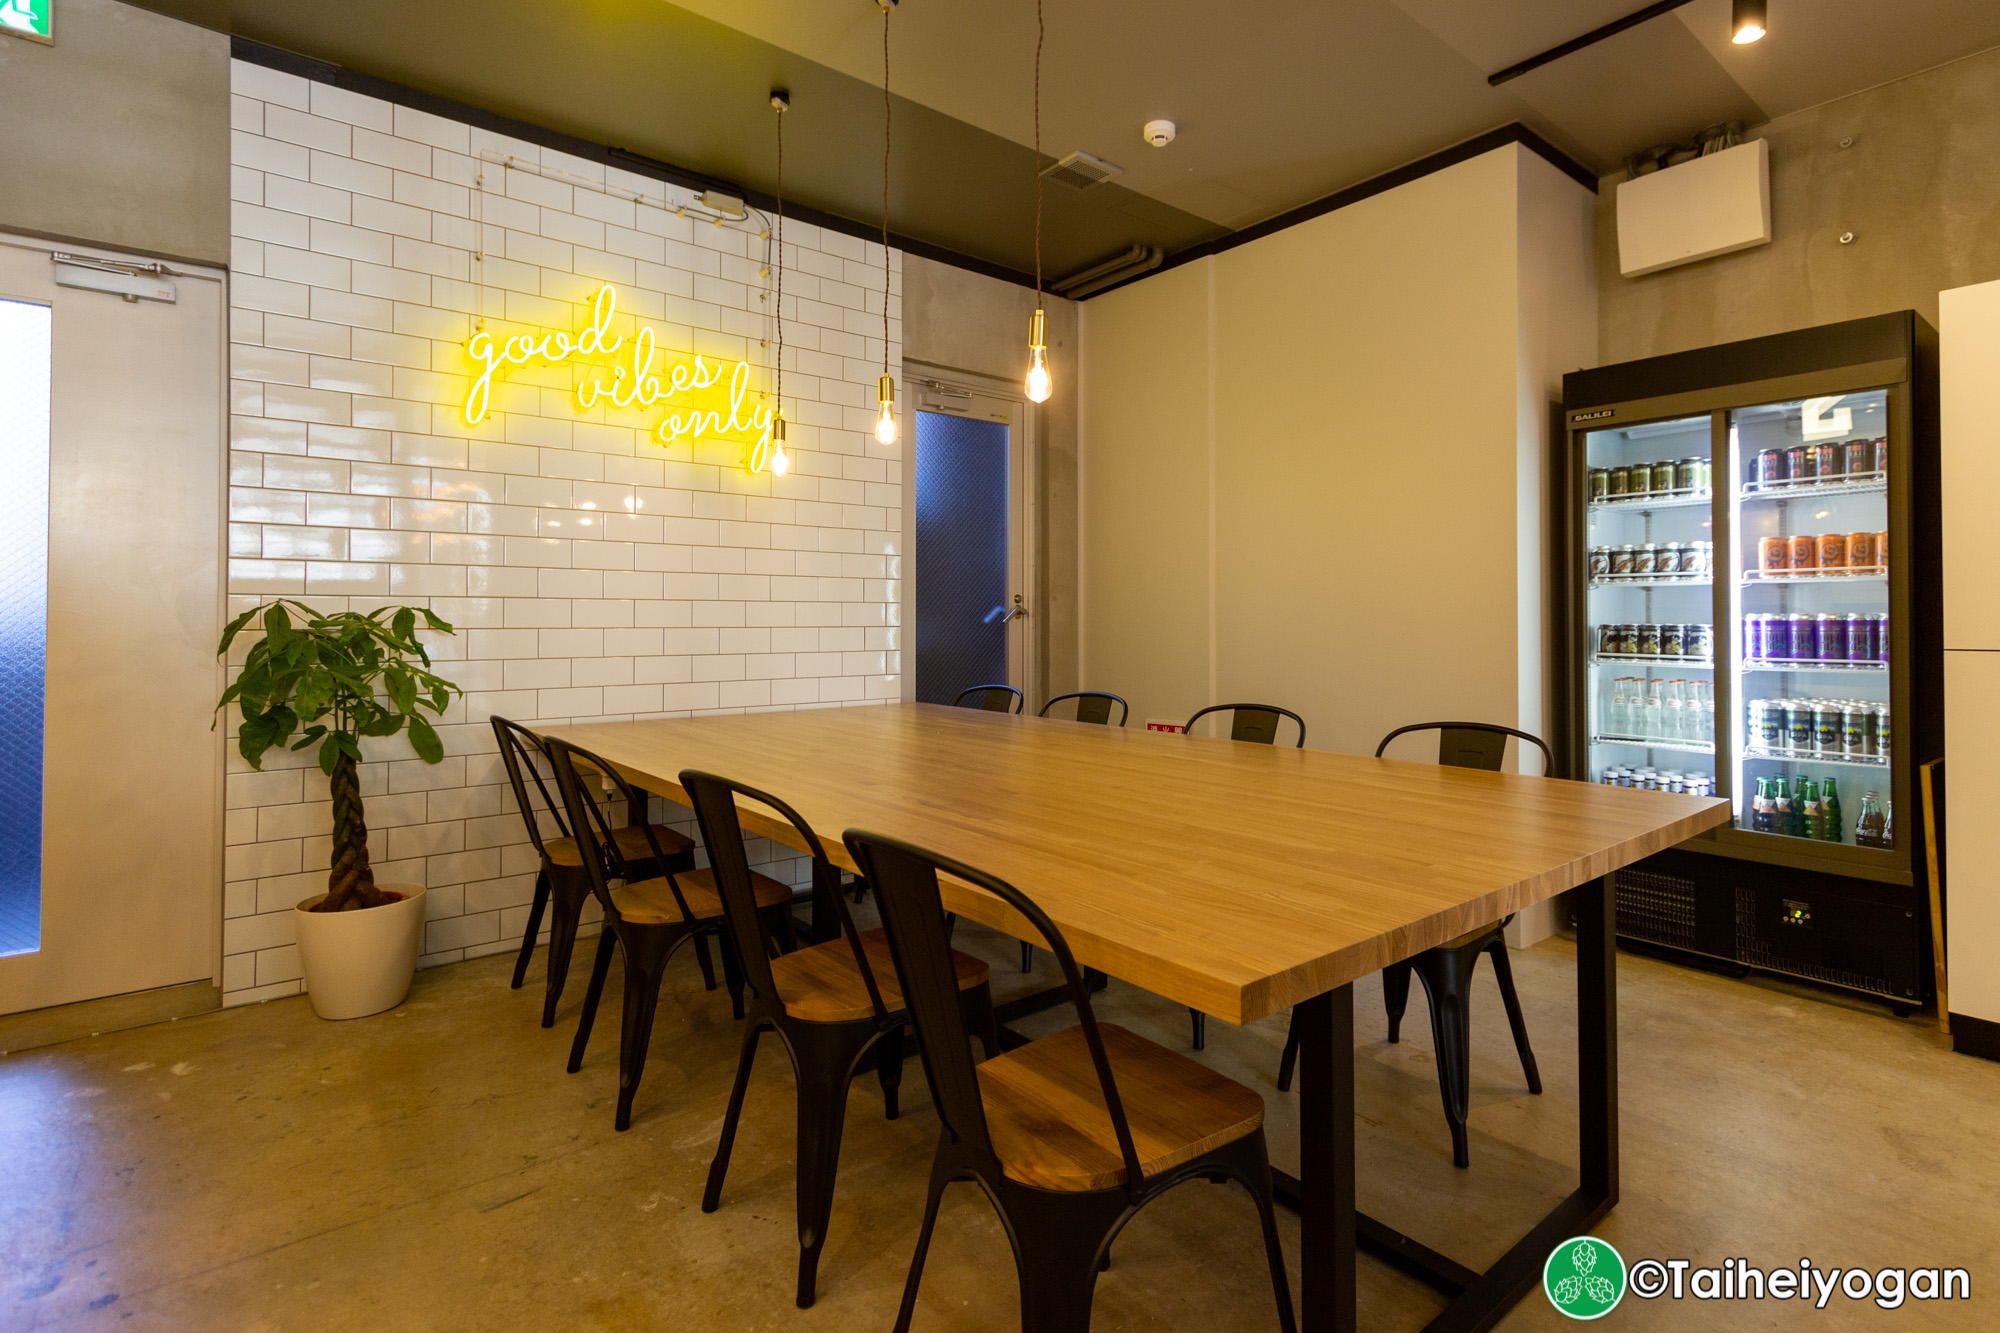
(959, 320)
(1312, 465)
(1919, 189)
(118, 134)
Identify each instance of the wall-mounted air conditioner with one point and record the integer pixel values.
(1702, 208)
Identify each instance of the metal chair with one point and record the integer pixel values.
(648, 919)
(1045, 1129)
(992, 698)
(826, 1003)
(1258, 724)
(561, 886)
(1091, 706)
(1446, 970)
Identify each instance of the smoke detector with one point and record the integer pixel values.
(1080, 171)
(1158, 133)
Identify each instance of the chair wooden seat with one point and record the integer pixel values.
(650, 902)
(821, 985)
(1045, 1109)
(632, 845)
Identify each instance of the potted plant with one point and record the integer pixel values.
(339, 678)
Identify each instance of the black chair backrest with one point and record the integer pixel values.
(906, 888)
(715, 811)
(592, 829)
(1474, 744)
(1253, 722)
(519, 749)
(1091, 706)
(992, 698)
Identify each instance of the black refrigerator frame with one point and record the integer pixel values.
(1857, 918)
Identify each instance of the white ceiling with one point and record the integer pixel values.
(1280, 102)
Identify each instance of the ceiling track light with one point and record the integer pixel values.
(1037, 383)
(885, 388)
(1747, 21)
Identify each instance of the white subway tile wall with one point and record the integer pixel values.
(591, 572)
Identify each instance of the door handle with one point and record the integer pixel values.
(1015, 610)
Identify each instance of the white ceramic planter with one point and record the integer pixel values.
(360, 963)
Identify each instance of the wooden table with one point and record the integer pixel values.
(1235, 879)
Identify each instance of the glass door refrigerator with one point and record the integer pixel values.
(1750, 593)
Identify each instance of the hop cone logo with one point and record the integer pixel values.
(1584, 1278)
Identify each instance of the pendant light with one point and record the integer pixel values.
(1747, 21)
(778, 461)
(1037, 385)
(885, 388)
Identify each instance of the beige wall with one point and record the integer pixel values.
(959, 320)
(118, 134)
(1336, 433)
(1919, 189)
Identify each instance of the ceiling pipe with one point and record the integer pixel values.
(1139, 259)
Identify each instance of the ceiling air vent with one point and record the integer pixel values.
(1080, 171)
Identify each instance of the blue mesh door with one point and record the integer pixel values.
(24, 607)
(961, 556)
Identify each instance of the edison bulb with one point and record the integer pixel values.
(885, 425)
(779, 461)
(1038, 378)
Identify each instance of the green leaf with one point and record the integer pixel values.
(229, 631)
(424, 740)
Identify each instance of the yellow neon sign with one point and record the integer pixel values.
(633, 382)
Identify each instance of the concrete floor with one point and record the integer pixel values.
(435, 1168)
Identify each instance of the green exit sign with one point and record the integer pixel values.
(28, 18)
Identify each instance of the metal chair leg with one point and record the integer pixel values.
(1267, 1216)
(1446, 979)
(889, 1070)
(1503, 972)
(977, 1006)
(566, 900)
(534, 929)
(718, 1169)
(1396, 997)
(940, 1177)
(646, 953)
(1059, 1241)
(606, 941)
(824, 1069)
(1200, 1022)
(1027, 956)
(1289, 1061)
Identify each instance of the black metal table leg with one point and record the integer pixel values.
(1326, 1162)
(825, 911)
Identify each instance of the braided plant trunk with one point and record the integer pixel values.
(350, 883)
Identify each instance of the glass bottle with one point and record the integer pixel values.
(1830, 802)
(1783, 816)
(1762, 807)
(1871, 827)
(1812, 811)
(1655, 709)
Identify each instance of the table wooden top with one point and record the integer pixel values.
(1231, 877)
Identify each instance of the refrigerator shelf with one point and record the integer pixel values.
(1866, 574)
(1773, 664)
(1789, 756)
(1650, 659)
(1657, 743)
(1859, 483)
(1651, 580)
(1657, 500)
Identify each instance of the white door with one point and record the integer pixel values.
(111, 457)
(969, 605)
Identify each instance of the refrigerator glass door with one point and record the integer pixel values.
(1809, 606)
(1648, 618)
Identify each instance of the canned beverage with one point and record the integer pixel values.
(1881, 456)
(1758, 711)
(1617, 482)
(1694, 558)
(1756, 647)
(1830, 638)
(1672, 643)
(1829, 460)
(1805, 555)
(1663, 477)
(1860, 550)
(1828, 719)
(1704, 476)
(1800, 719)
(1770, 467)
(1798, 640)
(1882, 551)
(1854, 731)
(1623, 559)
(1774, 555)
(1646, 560)
(1881, 634)
(1687, 475)
(1833, 550)
(1799, 463)
(1881, 712)
(1697, 641)
(1600, 561)
(1607, 639)
(1649, 640)
(1671, 559)
(1600, 483)
(1860, 458)
(1860, 639)
(1774, 725)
